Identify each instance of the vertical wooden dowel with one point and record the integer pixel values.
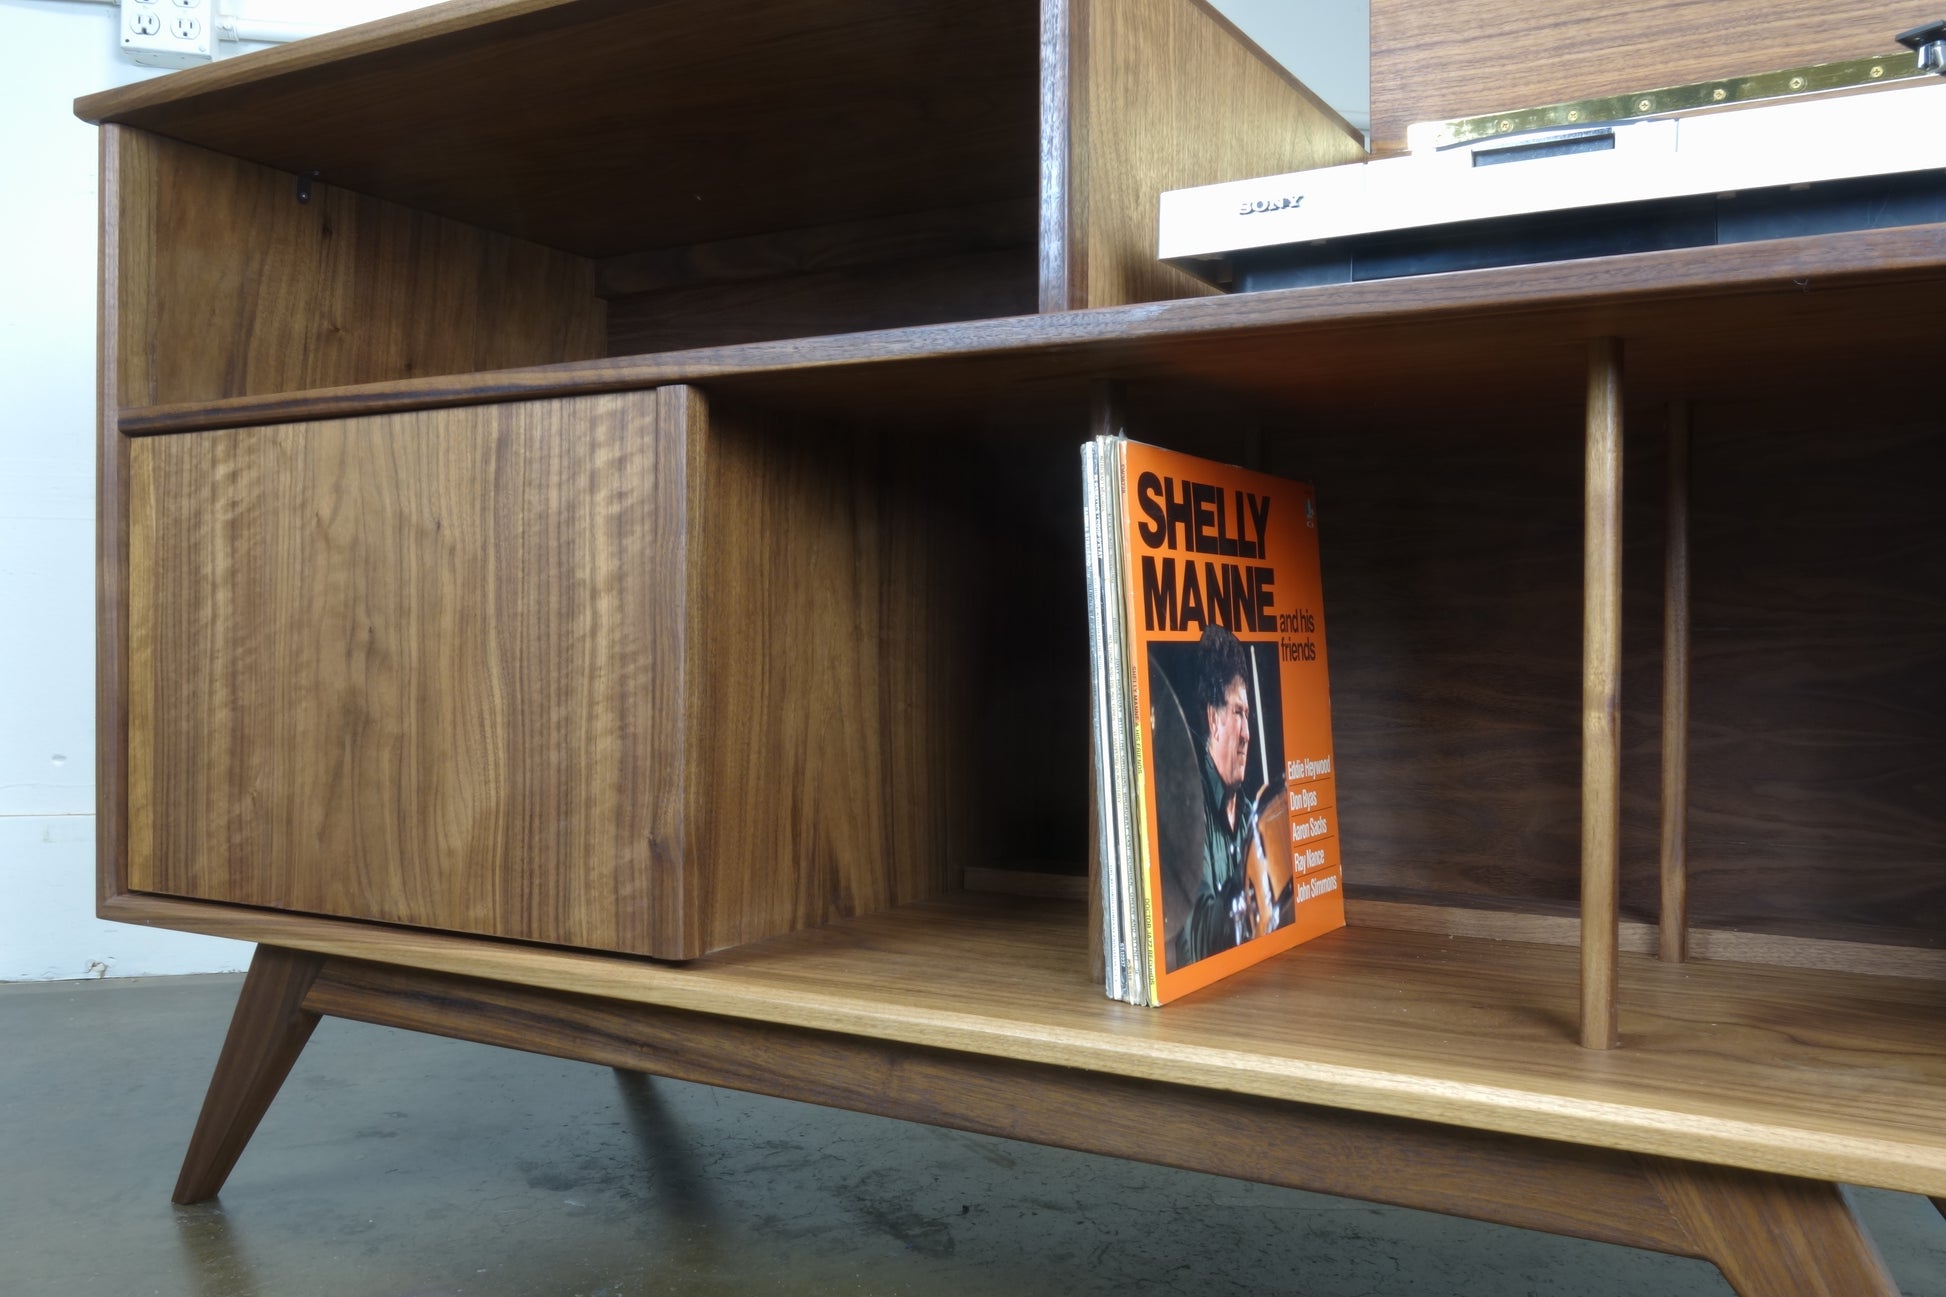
(1674, 943)
(1601, 689)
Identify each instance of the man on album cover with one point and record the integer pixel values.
(1220, 707)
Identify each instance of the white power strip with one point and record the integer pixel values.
(169, 33)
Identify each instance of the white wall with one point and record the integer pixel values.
(1325, 43)
(47, 473)
(61, 49)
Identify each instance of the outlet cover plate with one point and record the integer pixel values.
(169, 33)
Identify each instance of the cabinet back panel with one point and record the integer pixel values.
(421, 668)
(1818, 720)
(231, 287)
(884, 295)
(1817, 698)
(1452, 592)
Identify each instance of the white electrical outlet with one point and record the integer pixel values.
(169, 33)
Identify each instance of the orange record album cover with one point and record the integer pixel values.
(1213, 720)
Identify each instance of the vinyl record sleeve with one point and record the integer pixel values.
(1225, 679)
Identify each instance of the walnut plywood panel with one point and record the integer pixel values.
(974, 262)
(120, 166)
(1559, 927)
(1816, 717)
(1431, 62)
(1817, 761)
(965, 286)
(1453, 575)
(830, 775)
(606, 127)
(1804, 1073)
(1156, 95)
(423, 668)
(230, 287)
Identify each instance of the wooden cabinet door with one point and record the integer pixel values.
(424, 668)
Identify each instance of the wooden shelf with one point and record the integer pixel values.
(1801, 1072)
(1791, 316)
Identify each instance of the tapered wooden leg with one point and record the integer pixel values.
(1941, 1204)
(1773, 1235)
(267, 1033)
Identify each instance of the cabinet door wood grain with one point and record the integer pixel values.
(422, 668)
(611, 671)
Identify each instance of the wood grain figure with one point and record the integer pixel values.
(1773, 1234)
(1474, 57)
(829, 705)
(518, 670)
(419, 668)
(341, 289)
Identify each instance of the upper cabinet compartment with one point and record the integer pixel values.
(683, 174)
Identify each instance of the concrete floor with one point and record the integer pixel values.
(397, 1165)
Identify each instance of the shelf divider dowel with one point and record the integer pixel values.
(1601, 687)
(1674, 925)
